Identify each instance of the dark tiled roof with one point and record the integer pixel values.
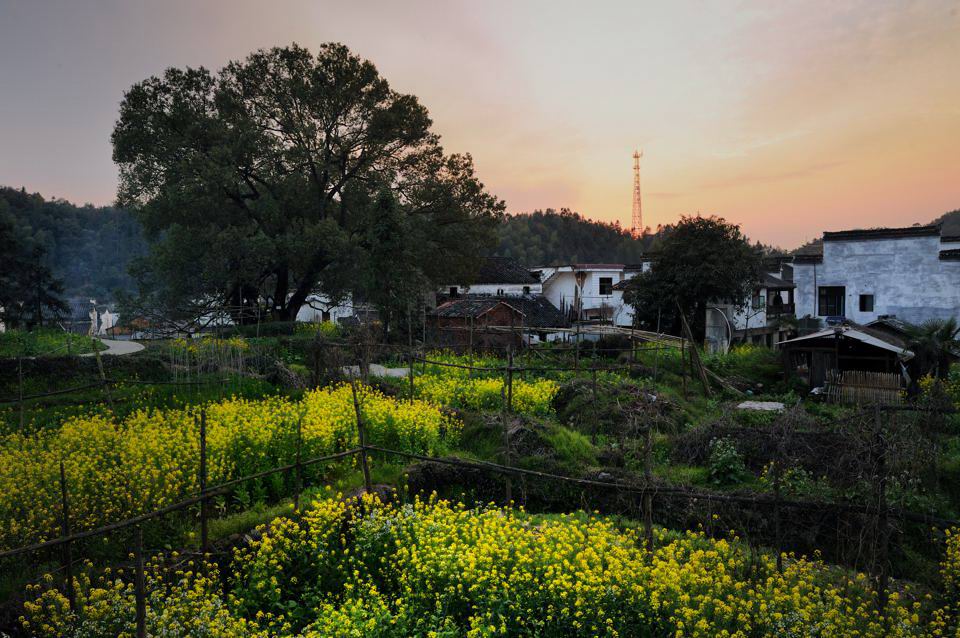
(883, 233)
(949, 238)
(501, 270)
(537, 310)
(467, 307)
(890, 324)
(952, 254)
(808, 259)
(772, 281)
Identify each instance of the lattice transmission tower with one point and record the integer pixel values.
(636, 226)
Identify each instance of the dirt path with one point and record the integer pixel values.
(115, 347)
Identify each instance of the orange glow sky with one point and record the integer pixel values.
(789, 118)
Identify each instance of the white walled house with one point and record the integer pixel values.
(911, 273)
(589, 292)
(319, 307)
(498, 276)
(757, 320)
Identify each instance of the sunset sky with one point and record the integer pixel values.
(788, 118)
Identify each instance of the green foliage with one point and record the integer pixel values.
(701, 261)
(934, 344)
(29, 292)
(573, 449)
(287, 173)
(725, 466)
(88, 248)
(45, 342)
(753, 363)
(549, 237)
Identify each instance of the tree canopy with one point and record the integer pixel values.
(28, 290)
(700, 261)
(88, 248)
(289, 173)
(549, 238)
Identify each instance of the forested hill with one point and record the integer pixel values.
(89, 248)
(552, 237)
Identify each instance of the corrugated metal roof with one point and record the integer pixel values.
(861, 334)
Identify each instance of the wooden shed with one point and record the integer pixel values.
(819, 357)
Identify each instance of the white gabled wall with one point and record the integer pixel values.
(905, 275)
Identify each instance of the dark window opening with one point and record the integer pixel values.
(453, 291)
(866, 303)
(831, 301)
(526, 290)
(325, 315)
(606, 285)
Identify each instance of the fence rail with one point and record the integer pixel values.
(877, 509)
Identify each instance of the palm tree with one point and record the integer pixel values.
(935, 343)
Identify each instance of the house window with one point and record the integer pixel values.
(526, 290)
(325, 315)
(866, 303)
(453, 291)
(606, 286)
(831, 301)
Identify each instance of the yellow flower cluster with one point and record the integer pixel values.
(529, 397)
(438, 569)
(183, 603)
(209, 345)
(150, 459)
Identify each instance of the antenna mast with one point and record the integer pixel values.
(636, 227)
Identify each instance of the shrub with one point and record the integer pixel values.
(725, 465)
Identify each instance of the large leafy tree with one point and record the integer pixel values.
(700, 261)
(263, 183)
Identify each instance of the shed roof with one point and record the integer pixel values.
(862, 334)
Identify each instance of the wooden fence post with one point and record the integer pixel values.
(20, 385)
(683, 364)
(362, 438)
(103, 379)
(67, 556)
(510, 380)
(204, 534)
(576, 351)
(297, 468)
(506, 420)
(139, 589)
(648, 487)
(410, 376)
(656, 355)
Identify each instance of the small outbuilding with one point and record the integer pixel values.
(822, 356)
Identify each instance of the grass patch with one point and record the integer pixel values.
(45, 342)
